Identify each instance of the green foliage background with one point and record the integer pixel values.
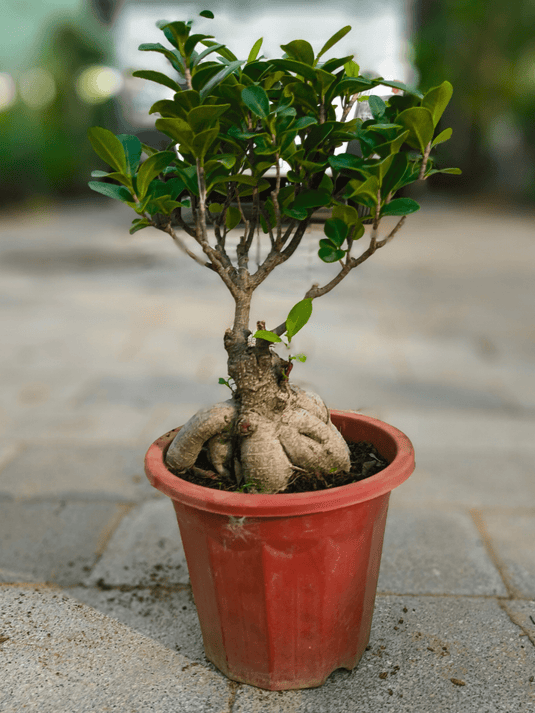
(487, 51)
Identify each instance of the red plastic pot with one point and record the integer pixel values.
(285, 584)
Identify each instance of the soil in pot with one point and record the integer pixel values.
(365, 462)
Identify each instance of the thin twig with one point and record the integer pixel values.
(317, 291)
(424, 162)
(349, 106)
(180, 244)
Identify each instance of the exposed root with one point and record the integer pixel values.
(201, 427)
(261, 448)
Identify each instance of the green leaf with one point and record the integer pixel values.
(354, 85)
(400, 206)
(443, 136)
(267, 335)
(213, 48)
(177, 129)
(336, 230)
(207, 13)
(333, 40)
(297, 213)
(176, 32)
(346, 162)
(223, 51)
(139, 224)
(149, 150)
(303, 122)
(367, 188)
(351, 69)
(215, 207)
(298, 317)
(253, 54)
(202, 117)
(236, 178)
(120, 193)
(419, 121)
(132, 151)
(232, 218)
(108, 147)
(332, 64)
(377, 107)
(380, 168)
(202, 142)
(300, 357)
(301, 50)
(454, 171)
(256, 99)
(325, 79)
(151, 168)
(157, 77)
(399, 85)
(157, 47)
(437, 99)
(291, 65)
(326, 184)
(346, 213)
(312, 199)
(219, 77)
(166, 108)
(317, 135)
(395, 173)
(330, 254)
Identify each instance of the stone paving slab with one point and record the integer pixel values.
(417, 645)
(477, 430)
(436, 551)
(165, 614)
(53, 541)
(512, 535)
(99, 472)
(410, 664)
(523, 614)
(145, 550)
(60, 655)
(469, 477)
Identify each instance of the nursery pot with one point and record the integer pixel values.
(285, 584)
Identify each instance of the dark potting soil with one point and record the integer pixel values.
(365, 462)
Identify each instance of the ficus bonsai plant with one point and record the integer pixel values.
(232, 126)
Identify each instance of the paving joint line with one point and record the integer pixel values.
(477, 518)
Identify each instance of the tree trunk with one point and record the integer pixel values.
(267, 428)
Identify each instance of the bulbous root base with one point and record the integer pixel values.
(263, 449)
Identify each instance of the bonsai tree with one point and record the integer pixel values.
(230, 123)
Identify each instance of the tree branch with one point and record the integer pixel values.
(317, 291)
(424, 161)
(182, 246)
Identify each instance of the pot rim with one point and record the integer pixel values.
(288, 504)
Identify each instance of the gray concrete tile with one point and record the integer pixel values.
(145, 550)
(468, 477)
(435, 551)
(62, 655)
(418, 645)
(523, 614)
(165, 614)
(474, 429)
(92, 424)
(53, 541)
(66, 471)
(512, 536)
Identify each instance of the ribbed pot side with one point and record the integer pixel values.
(285, 584)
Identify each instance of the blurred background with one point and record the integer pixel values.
(66, 65)
(110, 340)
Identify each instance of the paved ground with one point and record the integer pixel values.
(110, 340)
